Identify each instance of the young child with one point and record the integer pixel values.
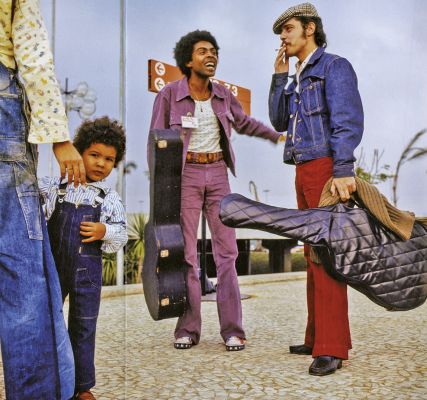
(82, 223)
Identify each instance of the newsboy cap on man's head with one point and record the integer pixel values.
(300, 10)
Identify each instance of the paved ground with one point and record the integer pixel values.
(136, 359)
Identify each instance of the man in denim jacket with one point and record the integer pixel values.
(321, 111)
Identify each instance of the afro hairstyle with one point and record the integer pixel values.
(183, 51)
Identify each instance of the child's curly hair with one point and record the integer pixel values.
(101, 130)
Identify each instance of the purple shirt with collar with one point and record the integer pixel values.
(174, 101)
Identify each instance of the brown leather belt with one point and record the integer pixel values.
(203, 158)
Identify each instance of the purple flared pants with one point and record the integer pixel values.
(203, 187)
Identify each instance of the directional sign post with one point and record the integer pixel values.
(160, 74)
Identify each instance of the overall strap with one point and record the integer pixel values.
(99, 199)
(61, 191)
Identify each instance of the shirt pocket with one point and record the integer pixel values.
(12, 122)
(313, 97)
(175, 121)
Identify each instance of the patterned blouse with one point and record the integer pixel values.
(24, 44)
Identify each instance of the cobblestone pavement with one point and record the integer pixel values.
(136, 360)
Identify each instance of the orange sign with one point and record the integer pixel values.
(160, 74)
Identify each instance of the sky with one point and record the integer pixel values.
(385, 41)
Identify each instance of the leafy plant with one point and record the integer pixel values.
(409, 153)
(372, 173)
(135, 246)
(109, 269)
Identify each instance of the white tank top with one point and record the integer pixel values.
(205, 138)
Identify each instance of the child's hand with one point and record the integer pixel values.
(92, 230)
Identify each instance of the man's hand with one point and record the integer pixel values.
(92, 230)
(343, 187)
(70, 162)
(281, 64)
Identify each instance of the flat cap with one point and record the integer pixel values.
(300, 10)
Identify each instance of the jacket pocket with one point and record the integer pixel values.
(175, 121)
(313, 97)
(12, 123)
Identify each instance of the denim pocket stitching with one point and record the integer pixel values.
(85, 271)
(29, 202)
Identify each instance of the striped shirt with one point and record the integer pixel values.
(113, 214)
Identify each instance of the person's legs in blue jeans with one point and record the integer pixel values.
(35, 346)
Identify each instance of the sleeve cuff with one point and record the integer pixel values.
(341, 171)
(280, 79)
(109, 233)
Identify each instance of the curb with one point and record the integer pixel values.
(246, 280)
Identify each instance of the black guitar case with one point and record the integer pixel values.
(353, 246)
(163, 272)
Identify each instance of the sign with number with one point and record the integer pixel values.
(160, 74)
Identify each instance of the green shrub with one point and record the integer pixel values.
(259, 262)
(299, 262)
(109, 269)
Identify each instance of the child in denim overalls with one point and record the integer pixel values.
(83, 222)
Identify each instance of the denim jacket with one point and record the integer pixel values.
(328, 109)
(174, 101)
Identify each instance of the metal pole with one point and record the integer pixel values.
(52, 45)
(203, 258)
(121, 182)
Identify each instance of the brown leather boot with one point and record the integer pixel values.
(86, 395)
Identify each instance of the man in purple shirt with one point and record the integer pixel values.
(205, 112)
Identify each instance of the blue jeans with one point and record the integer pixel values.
(36, 351)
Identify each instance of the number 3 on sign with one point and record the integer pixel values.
(231, 88)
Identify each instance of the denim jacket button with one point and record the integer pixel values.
(290, 136)
(291, 115)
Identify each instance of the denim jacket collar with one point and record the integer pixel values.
(183, 90)
(316, 55)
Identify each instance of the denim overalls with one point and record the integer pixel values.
(36, 351)
(79, 267)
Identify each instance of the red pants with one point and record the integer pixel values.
(328, 329)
